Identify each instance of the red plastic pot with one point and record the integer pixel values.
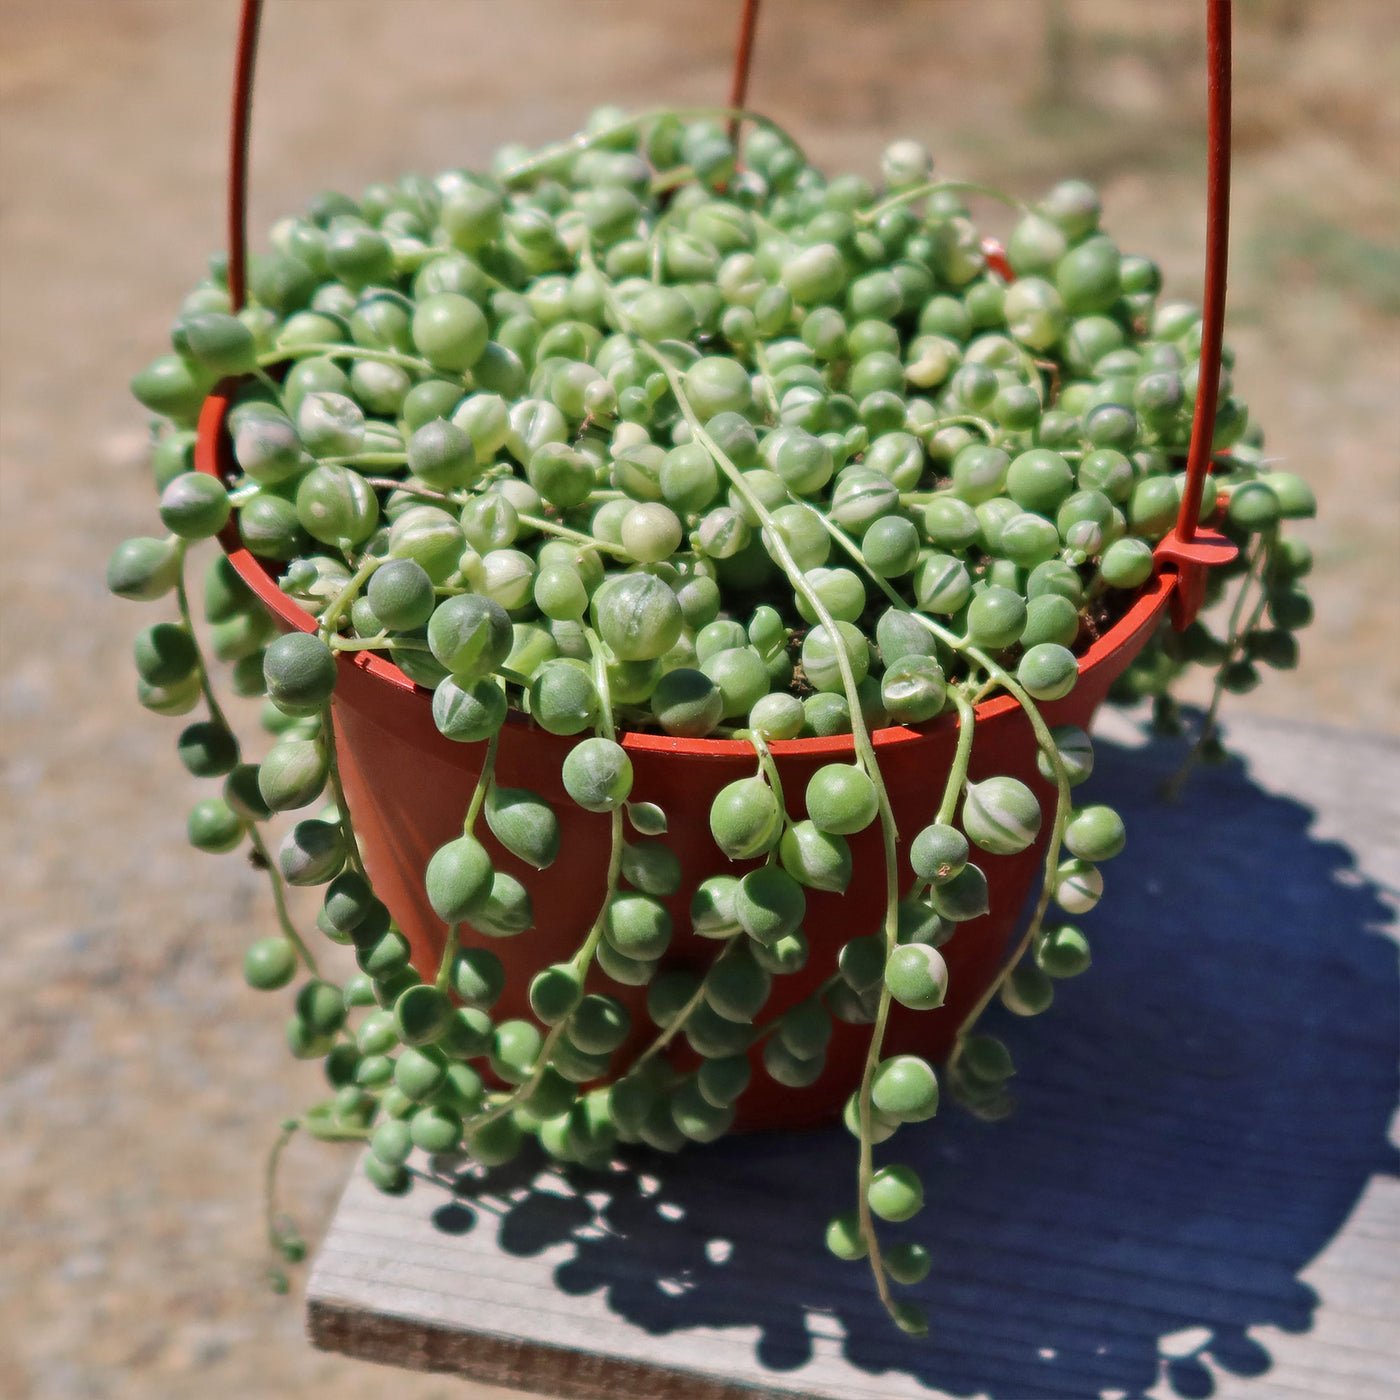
(408, 787)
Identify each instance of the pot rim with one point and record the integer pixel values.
(1151, 602)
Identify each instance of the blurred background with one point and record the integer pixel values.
(140, 1082)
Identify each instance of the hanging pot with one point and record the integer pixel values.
(407, 786)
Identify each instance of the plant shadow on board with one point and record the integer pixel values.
(1197, 1118)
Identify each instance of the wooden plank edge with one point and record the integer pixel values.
(512, 1363)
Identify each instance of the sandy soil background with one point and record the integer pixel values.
(139, 1081)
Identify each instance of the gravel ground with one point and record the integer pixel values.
(141, 1081)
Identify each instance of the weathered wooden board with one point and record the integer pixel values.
(1198, 1194)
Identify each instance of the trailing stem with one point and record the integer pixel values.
(957, 774)
(279, 901)
(1044, 739)
(583, 958)
(581, 962)
(769, 769)
(1063, 807)
(327, 630)
(865, 752)
(484, 780)
(767, 766)
(342, 807)
(255, 840)
(328, 625)
(687, 1010)
(1235, 635)
(282, 1237)
(182, 602)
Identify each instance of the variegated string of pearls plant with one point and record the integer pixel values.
(623, 434)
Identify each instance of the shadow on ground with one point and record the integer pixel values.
(1198, 1117)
